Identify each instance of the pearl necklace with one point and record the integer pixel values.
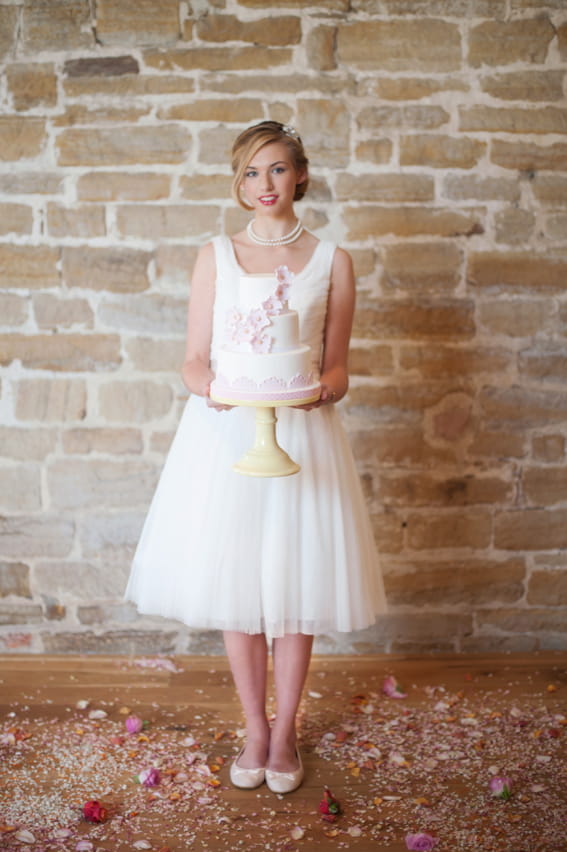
(282, 241)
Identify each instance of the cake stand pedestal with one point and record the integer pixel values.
(266, 457)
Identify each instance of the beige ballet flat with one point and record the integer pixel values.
(246, 779)
(285, 782)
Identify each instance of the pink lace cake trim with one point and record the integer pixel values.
(273, 384)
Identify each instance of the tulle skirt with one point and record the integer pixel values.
(220, 550)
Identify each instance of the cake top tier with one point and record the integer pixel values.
(256, 289)
(261, 297)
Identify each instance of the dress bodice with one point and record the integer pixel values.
(308, 295)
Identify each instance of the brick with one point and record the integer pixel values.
(419, 267)
(325, 127)
(121, 186)
(464, 529)
(544, 363)
(397, 445)
(119, 147)
(372, 360)
(475, 188)
(51, 400)
(421, 489)
(465, 582)
(401, 404)
(375, 151)
(61, 24)
(409, 88)
(226, 110)
(327, 5)
(119, 270)
(498, 445)
(422, 318)
(15, 580)
(371, 221)
(498, 119)
(112, 538)
(320, 48)
(550, 190)
(27, 444)
(278, 31)
(77, 114)
(32, 85)
(441, 152)
(21, 137)
(104, 613)
(458, 8)
(160, 442)
(525, 86)
(20, 489)
(81, 221)
(158, 641)
(168, 221)
(562, 40)
(547, 588)
(276, 85)
(205, 187)
(69, 580)
(388, 532)
(364, 261)
(155, 314)
(139, 22)
(520, 407)
(135, 401)
(514, 226)
(27, 536)
(384, 187)
(425, 45)
(517, 272)
(9, 16)
(411, 116)
(218, 58)
(556, 226)
(15, 219)
(83, 441)
(548, 448)
(104, 66)
(450, 419)
(507, 42)
(13, 310)
(77, 483)
(173, 264)
(523, 620)
(55, 313)
(529, 156)
(128, 86)
(15, 613)
(545, 486)
(445, 362)
(499, 643)
(151, 355)
(62, 352)
(34, 183)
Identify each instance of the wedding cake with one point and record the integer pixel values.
(261, 361)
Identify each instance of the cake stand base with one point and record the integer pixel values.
(266, 457)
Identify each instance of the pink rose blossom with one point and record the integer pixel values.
(501, 787)
(421, 842)
(149, 777)
(392, 688)
(134, 724)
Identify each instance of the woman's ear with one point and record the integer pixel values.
(301, 177)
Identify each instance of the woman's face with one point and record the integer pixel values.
(270, 179)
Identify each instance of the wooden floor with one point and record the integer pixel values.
(399, 766)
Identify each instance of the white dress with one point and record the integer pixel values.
(295, 554)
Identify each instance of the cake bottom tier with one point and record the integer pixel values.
(245, 378)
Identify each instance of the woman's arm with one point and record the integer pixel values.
(196, 371)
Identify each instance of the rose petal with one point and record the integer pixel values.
(84, 846)
(98, 714)
(297, 833)
(24, 836)
(142, 844)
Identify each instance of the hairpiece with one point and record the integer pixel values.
(290, 131)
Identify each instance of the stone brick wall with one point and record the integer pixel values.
(437, 135)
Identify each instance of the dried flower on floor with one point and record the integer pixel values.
(329, 807)
(392, 688)
(93, 811)
(501, 787)
(149, 777)
(421, 842)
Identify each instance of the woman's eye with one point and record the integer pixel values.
(278, 170)
(250, 174)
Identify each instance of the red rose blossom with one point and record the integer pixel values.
(93, 811)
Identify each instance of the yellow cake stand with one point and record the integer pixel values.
(266, 457)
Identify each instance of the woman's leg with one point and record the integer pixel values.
(248, 658)
(291, 654)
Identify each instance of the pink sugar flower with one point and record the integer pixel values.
(149, 777)
(501, 787)
(392, 688)
(421, 842)
(134, 724)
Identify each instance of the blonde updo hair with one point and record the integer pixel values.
(249, 143)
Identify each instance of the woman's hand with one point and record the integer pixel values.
(211, 403)
(327, 397)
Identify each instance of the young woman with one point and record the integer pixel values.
(266, 560)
